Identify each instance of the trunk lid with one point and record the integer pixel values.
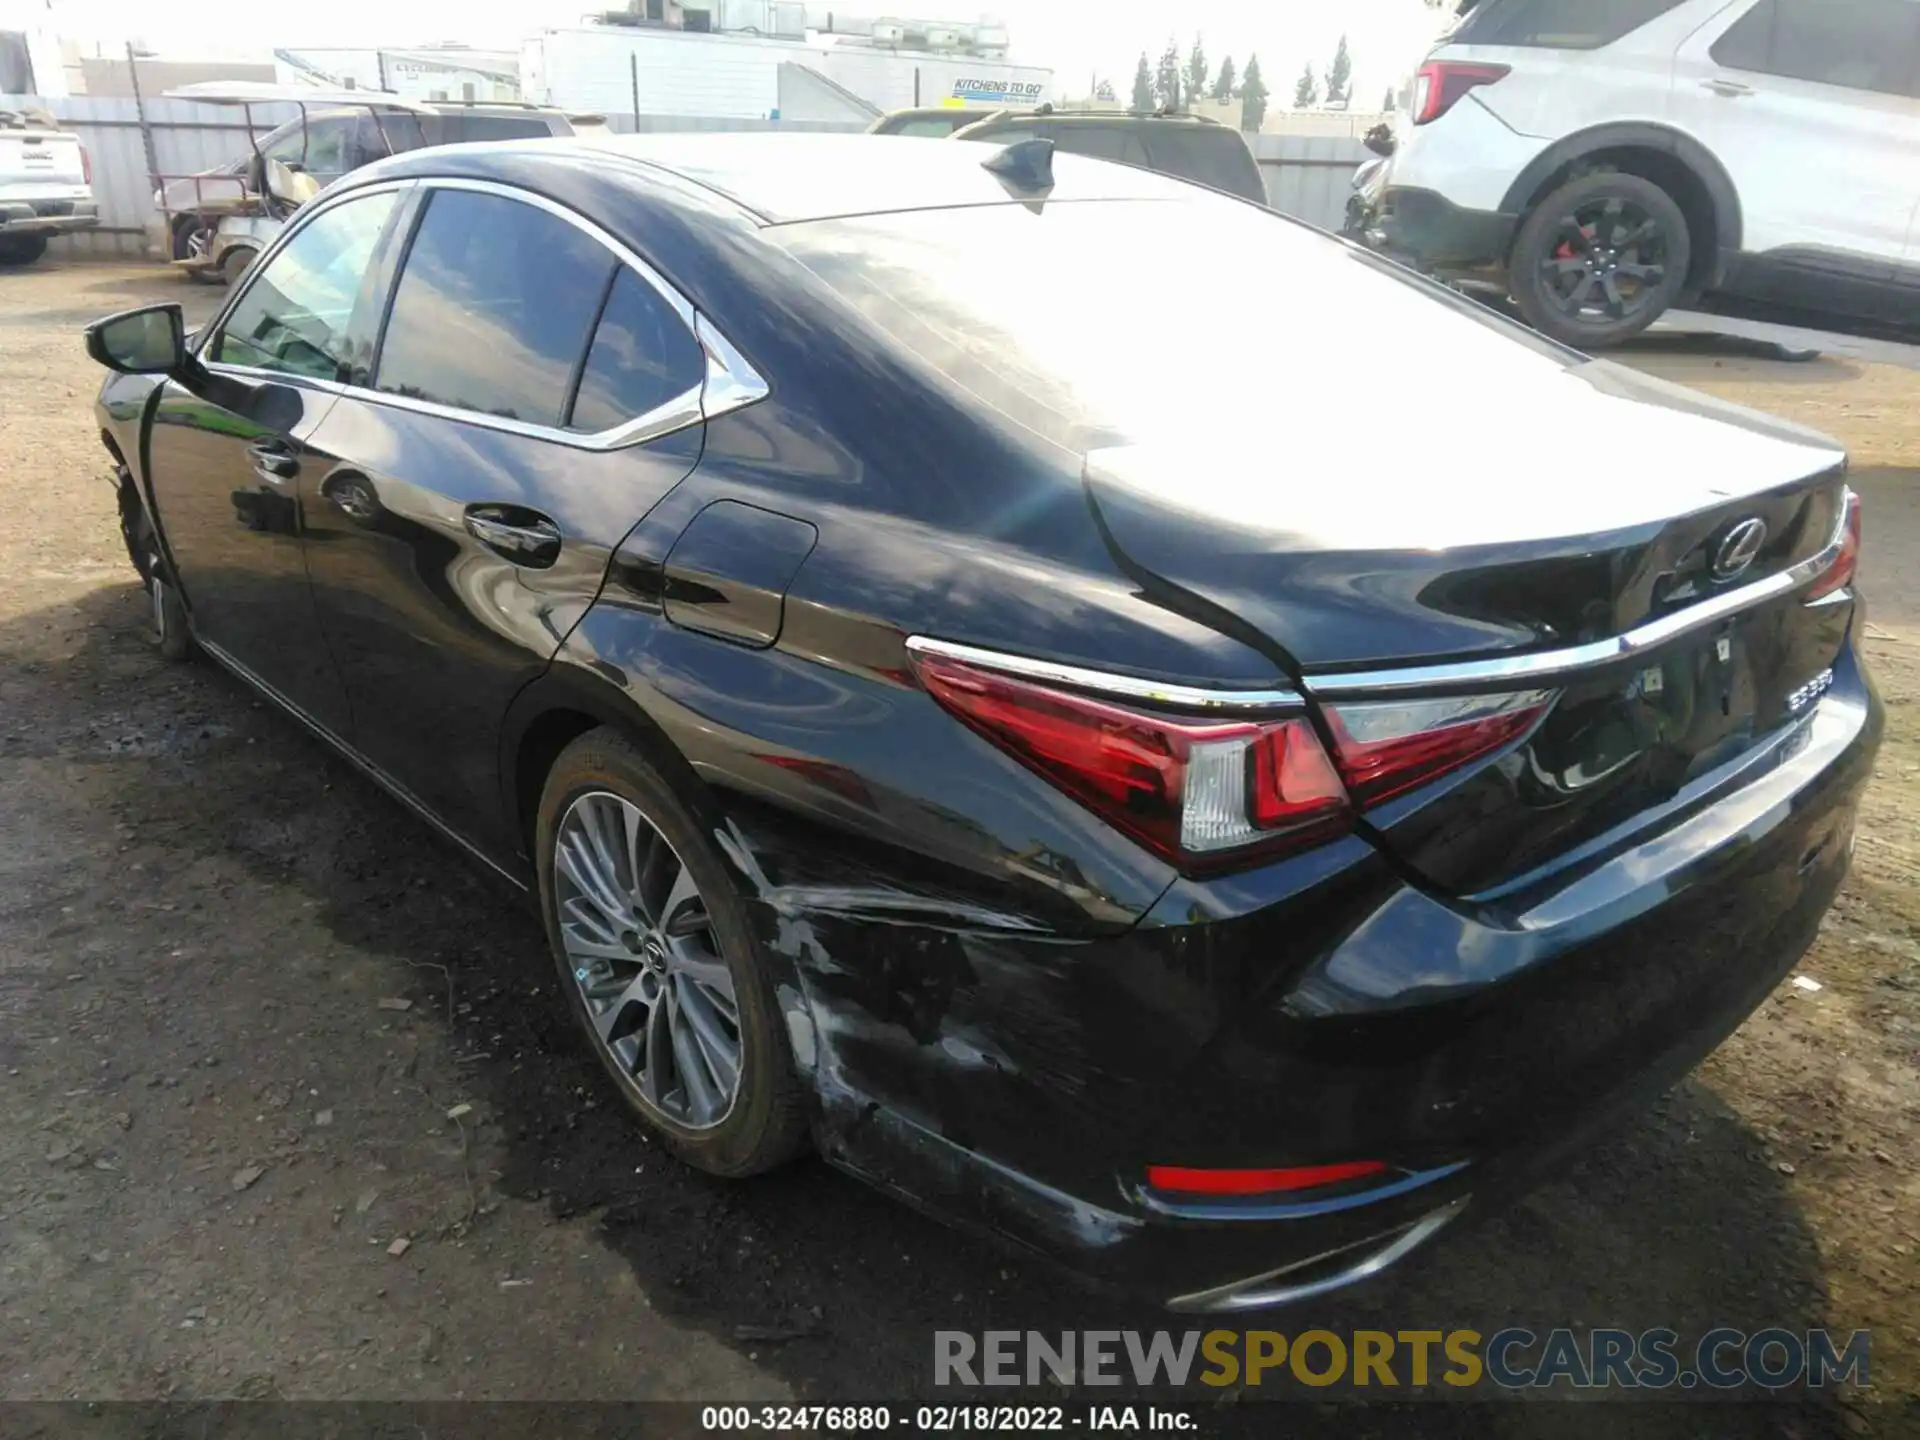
(33, 158)
(1598, 504)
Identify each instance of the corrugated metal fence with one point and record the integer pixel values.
(1307, 176)
(188, 137)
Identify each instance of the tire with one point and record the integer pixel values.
(21, 249)
(1599, 259)
(600, 779)
(236, 263)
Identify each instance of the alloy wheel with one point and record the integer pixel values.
(640, 946)
(1606, 261)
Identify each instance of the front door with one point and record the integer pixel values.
(228, 458)
(533, 398)
(1810, 105)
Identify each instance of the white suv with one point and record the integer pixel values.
(1611, 158)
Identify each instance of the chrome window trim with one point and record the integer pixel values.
(1546, 664)
(1125, 687)
(730, 382)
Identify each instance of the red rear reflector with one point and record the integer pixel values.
(1387, 748)
(1258, 1182)
(1840, 574)
(1195, 792)
(1440, 84)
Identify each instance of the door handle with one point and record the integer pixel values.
(1732, 89)
(273, 462)
(522, 536)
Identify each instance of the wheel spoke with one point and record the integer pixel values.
(607, 1021)
(573, 856)
(1646, 230)
(679, 894)
(670, 1022)
(640, 843)
(593, 950)
(1650, 274)
(696, 962)
(655, 1053)
(704, 1021)
(1616, 307)
(603, 826)
(702, 1097)
(584, 915)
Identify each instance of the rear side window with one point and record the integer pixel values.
(1858, 44)
(643, 356)
(1102, 143)
(293, 317)
(467, 128)
(493, 308)
(1557, 24)
(1211, 157)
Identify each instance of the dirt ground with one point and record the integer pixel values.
(244, 1000)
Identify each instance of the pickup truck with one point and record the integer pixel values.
(46, 185)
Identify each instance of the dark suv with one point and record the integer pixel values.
(1186, 147)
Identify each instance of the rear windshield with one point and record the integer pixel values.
(1556, 24)
(460, 129)
(1132, 322)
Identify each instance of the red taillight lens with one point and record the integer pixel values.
(1840, 574)
(1182, 1180)
(1195, 792)
(86, 165)
(1387, 748)
(1440, 84)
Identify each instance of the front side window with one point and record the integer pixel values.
(1857, 44)
(329, 146)
(493, 308)
(1556, 24)
(928, 127)
(643, 356)
(293, 317)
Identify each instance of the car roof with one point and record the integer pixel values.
(785, 178)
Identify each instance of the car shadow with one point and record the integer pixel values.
(1673, 1221)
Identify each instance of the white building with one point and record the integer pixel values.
(761, 61)
(427, 72)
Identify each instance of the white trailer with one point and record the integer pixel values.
(618, 70)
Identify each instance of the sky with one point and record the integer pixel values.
(1075, 38)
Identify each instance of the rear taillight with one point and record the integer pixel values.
(86, 165)
(1196, 792)
(1440, 84)
(1185, 1180)
(1387, 748)
(1840, 574)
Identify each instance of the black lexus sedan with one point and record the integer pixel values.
(967, 695)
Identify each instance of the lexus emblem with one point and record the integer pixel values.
(1739, 549)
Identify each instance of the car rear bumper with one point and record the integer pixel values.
(47, 217)
(1316, 1011)
(1425, 227)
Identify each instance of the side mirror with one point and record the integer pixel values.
(148, 341)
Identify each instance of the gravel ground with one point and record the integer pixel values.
(244, 1000)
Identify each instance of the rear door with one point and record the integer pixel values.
(1810, 105)
(227, 460)
(535, 393)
